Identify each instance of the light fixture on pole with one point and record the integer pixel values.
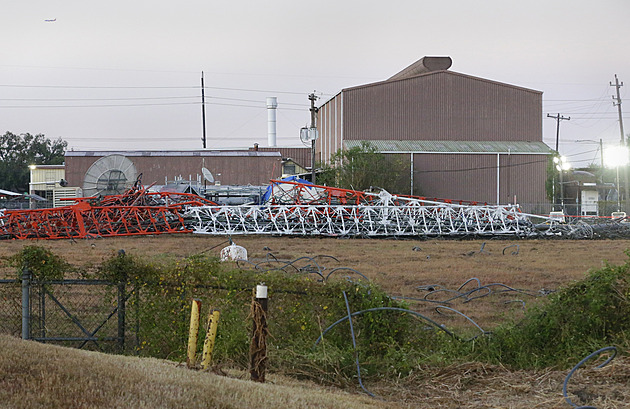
(616, 157)
(562, 165)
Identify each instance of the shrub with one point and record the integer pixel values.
(585, 316)
(42, 263)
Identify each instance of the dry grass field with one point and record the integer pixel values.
(399, 266)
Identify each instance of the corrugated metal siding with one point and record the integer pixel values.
(234, 170)
(330, 126)
(459, 177)
(442, 106)
(41, 174)
(301, 156)
(474, 177)
(523, 176)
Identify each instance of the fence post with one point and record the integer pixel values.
(258, 346)
(208, 343)
(193, 332)
(121, 313)
(26, 303)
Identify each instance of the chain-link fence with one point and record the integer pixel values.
(78, 313)
(10, 307)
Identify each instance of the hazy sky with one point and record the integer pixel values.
(126, 74)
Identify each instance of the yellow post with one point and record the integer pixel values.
(208, 344)
(192, 334)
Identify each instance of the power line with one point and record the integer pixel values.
(481, 168)
(97, 99)
(139, 105)
(148, 87)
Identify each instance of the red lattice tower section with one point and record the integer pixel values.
(136, 212)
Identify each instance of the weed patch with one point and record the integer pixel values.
(578, 319)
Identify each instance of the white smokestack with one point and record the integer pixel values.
(272, 104)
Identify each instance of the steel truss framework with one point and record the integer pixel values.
(291, 209)
(357, 220)
(307, 210)
(136, 212)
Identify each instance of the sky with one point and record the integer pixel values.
(120, 75)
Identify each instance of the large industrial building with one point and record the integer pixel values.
(464, 137)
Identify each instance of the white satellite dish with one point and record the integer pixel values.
(207, 175)
(109, 175)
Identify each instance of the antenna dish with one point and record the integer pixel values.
(207, 175)
(109, 175)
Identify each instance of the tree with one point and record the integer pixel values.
(17, 152)
(362, 167)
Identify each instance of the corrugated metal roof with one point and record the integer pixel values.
(176, 153)
(442, 73)
(513, 147)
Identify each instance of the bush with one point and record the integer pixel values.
(585, 316)
(42, 263)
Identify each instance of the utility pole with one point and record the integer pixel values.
(203, 111)
(312, 97)
(601, 153)
(558, 118)
(617, 103)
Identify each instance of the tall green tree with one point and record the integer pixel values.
(17, 152)
(362, 167)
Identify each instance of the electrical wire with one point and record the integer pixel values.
(403, 310)
(354, 345)
(575, 368)
(481, 167)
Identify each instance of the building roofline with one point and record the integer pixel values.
(456, 147)
(62, 166)
(441, 72)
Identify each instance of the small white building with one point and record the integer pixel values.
(48, 182)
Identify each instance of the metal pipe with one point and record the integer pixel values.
(192, 334)
(411, 174)
(498, 178)
(272, 104)
(208, 345)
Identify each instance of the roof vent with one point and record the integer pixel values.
(422, 66)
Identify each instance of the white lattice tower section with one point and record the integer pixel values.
(412, 218)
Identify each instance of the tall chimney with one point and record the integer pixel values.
(272, 104)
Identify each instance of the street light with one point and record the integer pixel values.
(562, 164)
(616, 157)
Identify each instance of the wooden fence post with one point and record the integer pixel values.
(258, 346)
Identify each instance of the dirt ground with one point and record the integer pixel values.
(401, 267)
